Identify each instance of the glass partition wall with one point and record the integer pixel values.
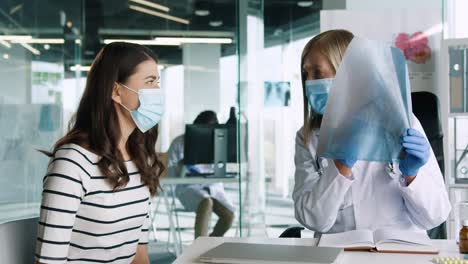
(46, 49)
(273, 34)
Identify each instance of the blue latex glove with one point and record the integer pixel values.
(417, 150)
(348, 162)
(351, 145)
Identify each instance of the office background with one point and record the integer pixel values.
(213, 55)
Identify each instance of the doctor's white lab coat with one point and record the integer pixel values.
(191, 195)
(373, 197)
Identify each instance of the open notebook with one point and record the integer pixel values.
(383, 240)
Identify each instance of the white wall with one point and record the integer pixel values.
(282, 63)
(382, 5)
(172, 125)
(456, 19)
(201, 79)
(228, 85)
(387, 24)
(394, 4)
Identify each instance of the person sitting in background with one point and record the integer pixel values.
(203, 199)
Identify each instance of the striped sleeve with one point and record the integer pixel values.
(62, 193)
(144, 235)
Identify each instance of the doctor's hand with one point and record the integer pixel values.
(344, 166)
(417, 150)
(348, 162)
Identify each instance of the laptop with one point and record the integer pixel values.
(244, 253)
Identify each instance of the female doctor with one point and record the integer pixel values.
(333, 196)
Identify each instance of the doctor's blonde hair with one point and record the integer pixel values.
(332, 44)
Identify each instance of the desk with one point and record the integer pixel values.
(197, 180)
(203, 244)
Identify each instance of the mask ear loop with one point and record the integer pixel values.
(128, 88)
(126, 108)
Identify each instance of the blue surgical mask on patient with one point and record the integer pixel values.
(317, 93)
(151, 108)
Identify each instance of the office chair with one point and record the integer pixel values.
(18, 241)
(426, 109)
(294, 231)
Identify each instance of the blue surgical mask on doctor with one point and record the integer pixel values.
(317, 93)
(151, 108)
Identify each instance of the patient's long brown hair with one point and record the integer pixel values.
(95, 125)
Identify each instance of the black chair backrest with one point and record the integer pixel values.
(292, 232)
(426, 109)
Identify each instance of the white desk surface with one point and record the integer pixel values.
(448, 248)
(197, 180)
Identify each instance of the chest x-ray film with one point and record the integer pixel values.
(369, 105)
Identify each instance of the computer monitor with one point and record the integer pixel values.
(199, 145)
(211, 144)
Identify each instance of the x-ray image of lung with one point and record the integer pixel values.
(369, 105)
(277, 94)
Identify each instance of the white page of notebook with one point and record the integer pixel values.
(354, 238)
(403, 240)
(403, 237)
(405, 248)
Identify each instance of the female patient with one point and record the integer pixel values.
(340, 195)
(102, 172)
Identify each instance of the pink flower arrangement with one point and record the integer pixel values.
(414, 47)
